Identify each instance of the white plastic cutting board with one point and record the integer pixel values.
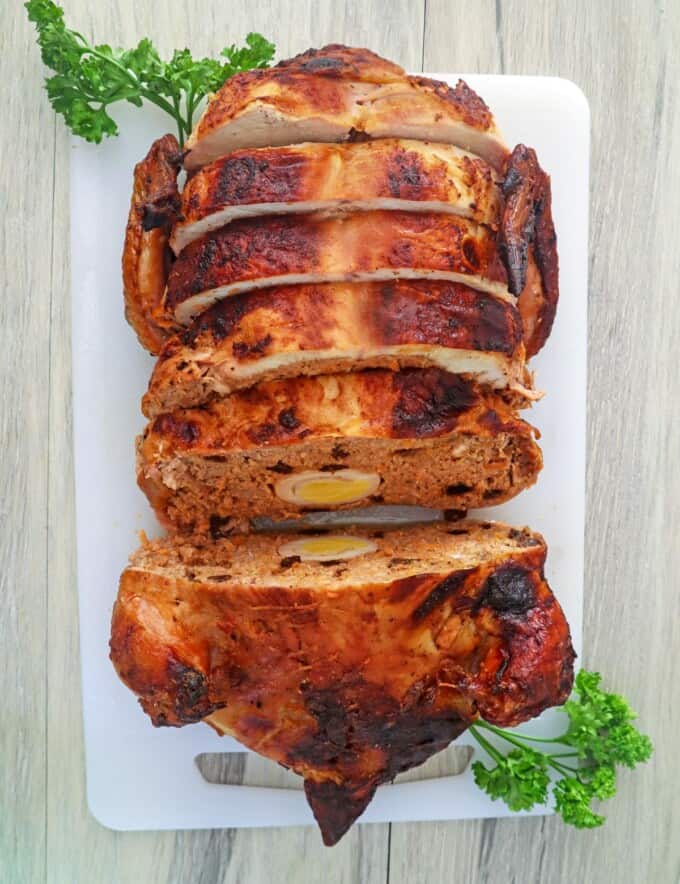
(139, 777)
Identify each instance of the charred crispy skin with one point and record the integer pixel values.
(370, 245)
(154, 207)
(338, 62)
(347, 674)
(433, 439)
(527, 220)
(336, 178)
(338, 94)
(319, 329)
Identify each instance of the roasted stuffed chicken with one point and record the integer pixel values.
(343, 297)
(487, 224)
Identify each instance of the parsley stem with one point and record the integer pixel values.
(512, 739)
(190, 110)
(564, 769)
(181, 125)
(90, 50)
(153, 97)
(159, 102)
(517, 741)
(486, 745)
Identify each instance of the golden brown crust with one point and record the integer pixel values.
(154, 206)
(337, 178)
(321, 329)
(526, 221)
(258, 253)
(345, 93)
(346, 677)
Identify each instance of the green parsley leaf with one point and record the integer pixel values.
(88, 79)
(599, 725)
(572, 802)
(257, 53)
(602, 782)
(520, 779)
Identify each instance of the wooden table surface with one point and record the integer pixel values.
(624, 55)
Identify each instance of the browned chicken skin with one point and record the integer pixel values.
(349, 673)
(526, 220)
(285, 250)
(272, 171)
(259, 253)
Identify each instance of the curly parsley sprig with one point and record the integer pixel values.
(89, 78)
(599, 737)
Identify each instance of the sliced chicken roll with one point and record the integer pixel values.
(367, 246)
(336, 178)
(321, 329)
(341, 94)
(346, 668)
(415, 437)
(521, 258)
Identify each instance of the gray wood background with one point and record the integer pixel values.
(624, 54)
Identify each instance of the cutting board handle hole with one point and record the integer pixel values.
(248, 769)
(452, 762)
(244, 769)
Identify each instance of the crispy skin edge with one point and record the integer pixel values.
(527, 221)
(154, 205)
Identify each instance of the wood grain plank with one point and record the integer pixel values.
(624, 56)
(73, 836)
(27, 136)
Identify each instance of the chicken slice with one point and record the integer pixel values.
(347, 671)
(341, 94)
(367, 246)
(322, 329)
(337, 178)
(417, 437)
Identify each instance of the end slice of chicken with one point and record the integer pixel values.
(339, 94)
(146, 261)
